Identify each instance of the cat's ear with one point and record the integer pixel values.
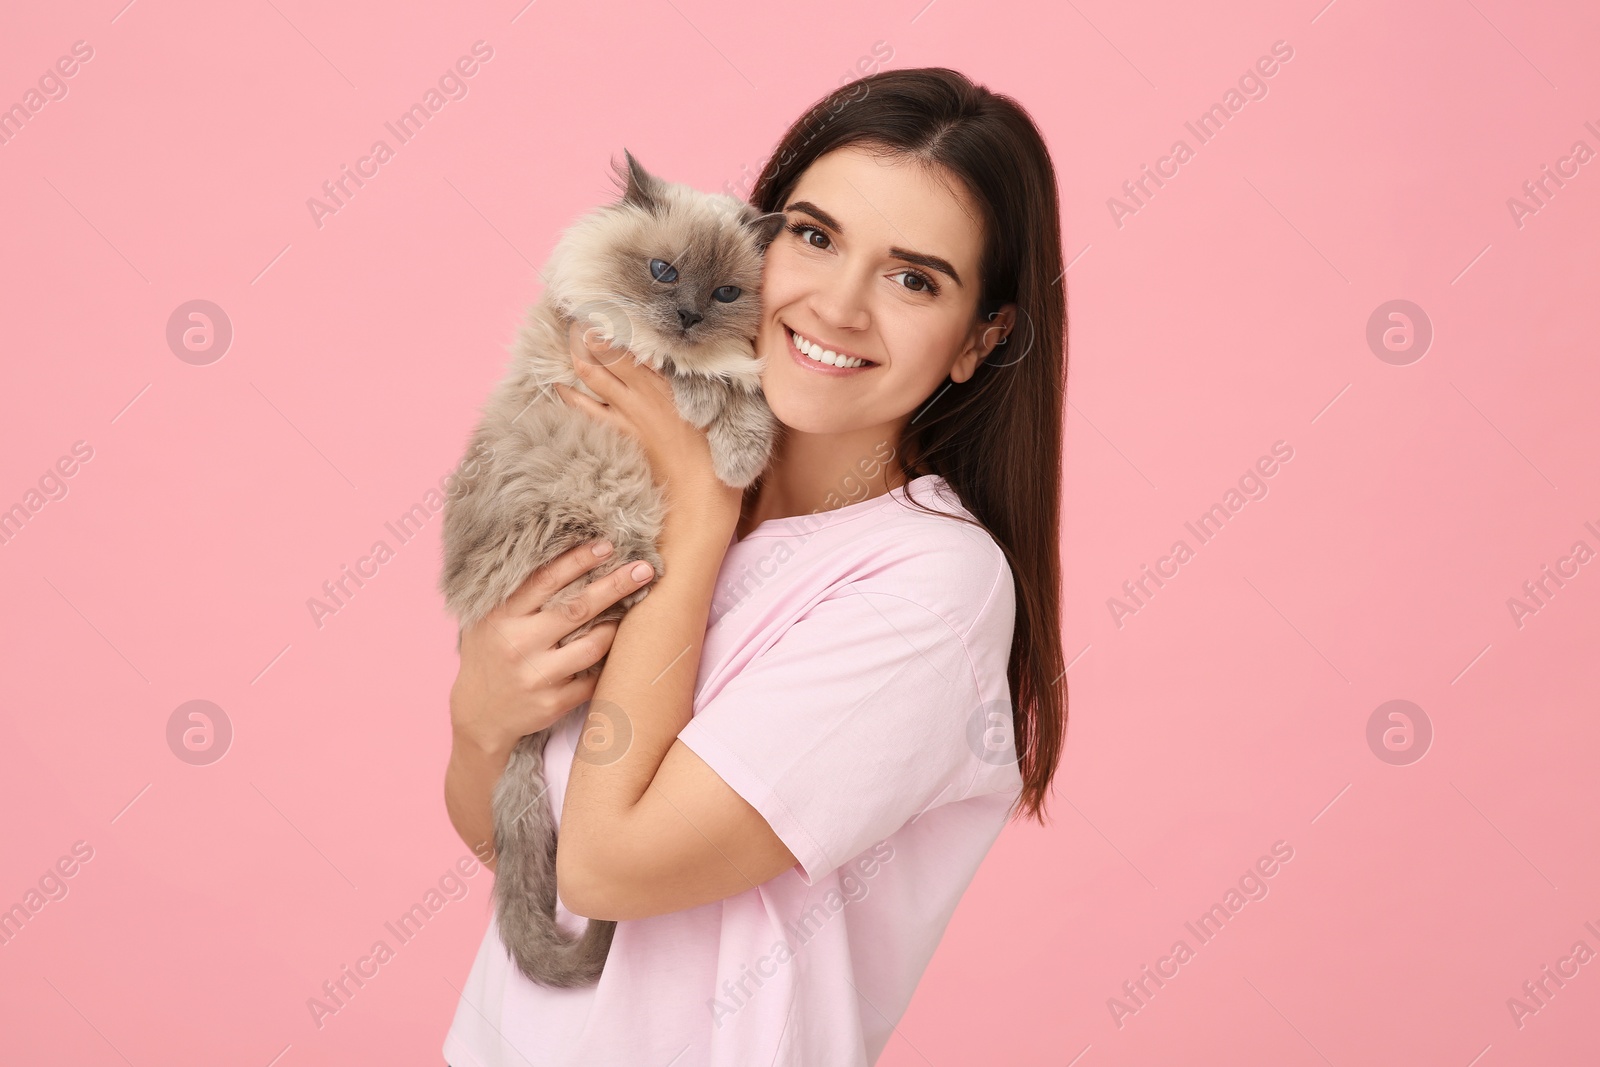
(765, 227)
(639, 186)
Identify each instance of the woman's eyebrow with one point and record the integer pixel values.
(816, 212)
(919, 258)
(924, 260)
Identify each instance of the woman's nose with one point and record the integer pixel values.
(841, 300)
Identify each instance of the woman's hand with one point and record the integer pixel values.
(514, 680)
(638, 401)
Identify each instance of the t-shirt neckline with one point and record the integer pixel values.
(792, 524)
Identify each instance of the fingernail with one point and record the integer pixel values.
(602, 548)
(641, 571)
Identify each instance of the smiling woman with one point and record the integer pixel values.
(887, 699)
(856, 290)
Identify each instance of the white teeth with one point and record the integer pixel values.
(824, 355)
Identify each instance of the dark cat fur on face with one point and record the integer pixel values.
(673, 275)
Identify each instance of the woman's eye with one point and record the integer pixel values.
(728, 293)
(662, 271)
(801, 230)
(924, 284)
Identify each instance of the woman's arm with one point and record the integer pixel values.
(647, 827)
(469, 782)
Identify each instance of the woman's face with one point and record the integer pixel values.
(878, 261)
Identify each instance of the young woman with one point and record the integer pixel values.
(849, 677)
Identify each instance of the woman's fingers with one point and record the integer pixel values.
(626, 371)
(559, 573)
(574, 691)
(608, 370)
(595, 361)
(583, 653)
(578, 402)
(530, 604)
(515, 677)
(601, 594)
(591, 343)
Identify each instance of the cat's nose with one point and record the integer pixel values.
(687, 317)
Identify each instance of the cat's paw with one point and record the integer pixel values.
(737, 468)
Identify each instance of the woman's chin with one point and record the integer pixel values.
(804, 414)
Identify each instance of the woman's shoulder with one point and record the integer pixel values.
(938, 561)
(953, 540)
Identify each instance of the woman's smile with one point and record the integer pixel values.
(813, 355)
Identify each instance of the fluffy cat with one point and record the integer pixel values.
(671, 274)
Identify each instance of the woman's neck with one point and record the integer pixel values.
(809, 474)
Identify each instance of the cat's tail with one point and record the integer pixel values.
(525, 879)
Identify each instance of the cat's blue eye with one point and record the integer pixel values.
(728, 293)
(662, 271)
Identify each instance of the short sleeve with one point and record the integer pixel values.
(865, 712)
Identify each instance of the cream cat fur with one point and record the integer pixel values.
(672, 274)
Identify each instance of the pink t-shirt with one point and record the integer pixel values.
(852, 688)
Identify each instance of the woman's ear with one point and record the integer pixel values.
(986, 334)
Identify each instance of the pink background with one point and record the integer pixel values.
(1229, 312)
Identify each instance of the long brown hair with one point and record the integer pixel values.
(995, 438)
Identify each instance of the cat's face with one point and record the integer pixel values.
(671, 273)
